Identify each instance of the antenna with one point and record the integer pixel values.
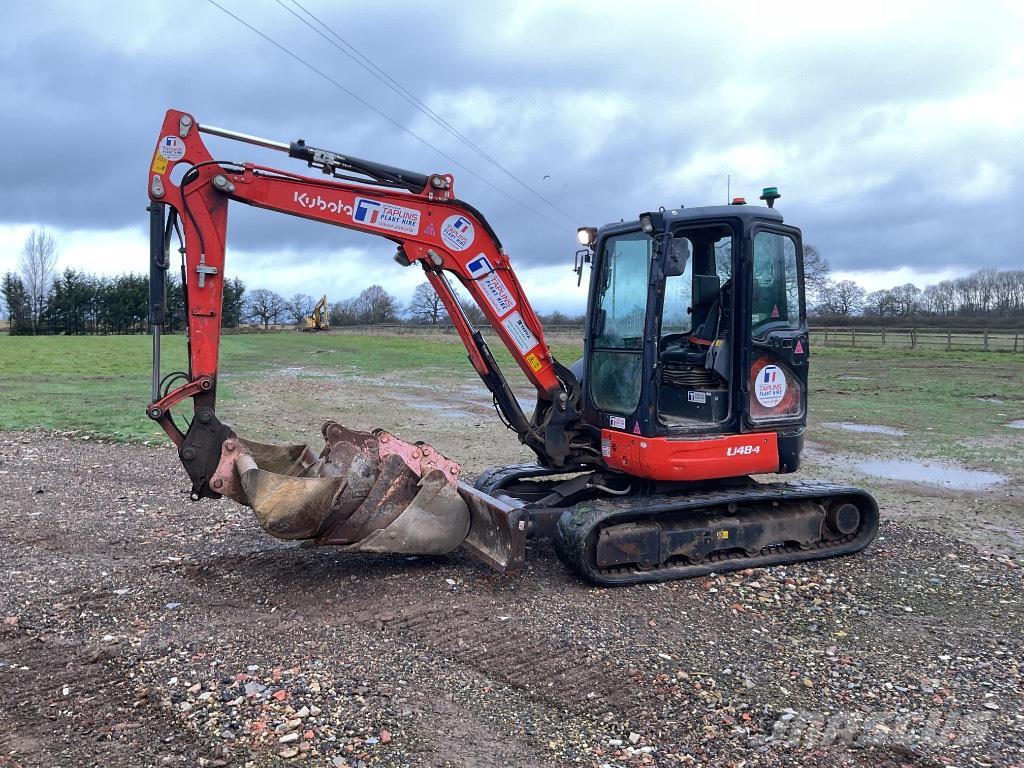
(728, 188)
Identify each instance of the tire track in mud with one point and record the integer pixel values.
(555, 672)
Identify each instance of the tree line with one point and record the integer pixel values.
(78, 303)
(37, 299)
(985, 295)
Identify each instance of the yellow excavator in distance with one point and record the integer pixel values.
(318, 321)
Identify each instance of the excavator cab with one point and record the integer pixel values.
(697, 327)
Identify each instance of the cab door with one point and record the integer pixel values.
(616, 332)
(776, 364)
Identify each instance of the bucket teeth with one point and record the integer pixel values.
(370, 492)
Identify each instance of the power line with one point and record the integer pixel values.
(387, 117)
(366, 63)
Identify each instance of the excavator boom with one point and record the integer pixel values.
(364, 491)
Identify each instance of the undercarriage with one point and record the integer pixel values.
(373, 492)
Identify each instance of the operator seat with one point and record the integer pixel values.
(694, 347)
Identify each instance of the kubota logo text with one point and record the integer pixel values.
(317, 203)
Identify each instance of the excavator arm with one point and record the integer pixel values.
(372, 492)
(420, 213)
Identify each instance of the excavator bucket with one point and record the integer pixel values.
(367, 492)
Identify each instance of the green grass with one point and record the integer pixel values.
(941, 399)
(100, 385)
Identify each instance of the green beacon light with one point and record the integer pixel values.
(770, 195)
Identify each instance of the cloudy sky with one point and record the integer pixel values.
(894, 130)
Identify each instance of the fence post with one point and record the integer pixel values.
(949, 341)
(986, 340)
(883, 338)
(854, 344)
(913, 338)
(1015, 341)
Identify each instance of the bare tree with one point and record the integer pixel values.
(906, 299)
(266, 306)
(344, 313)
(300, 306)
(375, 306)
(844, 298)
(816, 272)
(426, 306)
(37, 267)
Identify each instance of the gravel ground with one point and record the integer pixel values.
(137, 628)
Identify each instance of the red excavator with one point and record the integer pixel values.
(693, 378)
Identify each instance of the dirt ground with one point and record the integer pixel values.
(142, 629)
(139, 628)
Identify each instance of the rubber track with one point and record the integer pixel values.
(495, 478)
(580, 524)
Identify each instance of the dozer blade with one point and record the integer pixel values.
(368, 492)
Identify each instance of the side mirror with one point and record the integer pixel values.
(583, 256)
(677, 256)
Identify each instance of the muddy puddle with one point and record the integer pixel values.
(854, 377)
(1018, 424)
(875, 429)
(420, 404)
(938, 473)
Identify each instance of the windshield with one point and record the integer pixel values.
(619, 320)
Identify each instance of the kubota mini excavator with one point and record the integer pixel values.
(694, 377)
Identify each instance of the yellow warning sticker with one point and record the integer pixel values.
(159, 164)
(723, 534)
(534, 362)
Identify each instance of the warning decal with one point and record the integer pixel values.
(770, 386)
(520, 332)
(534, 362)
(799, 348)
(497, 293)
(159, 164)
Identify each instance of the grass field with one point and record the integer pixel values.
(100, 384)
(951, 405)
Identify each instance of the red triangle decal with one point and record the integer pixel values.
(636, 427)
(799, 348)
(430, 229)
(775, 311)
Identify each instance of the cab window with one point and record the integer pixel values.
(775, 300)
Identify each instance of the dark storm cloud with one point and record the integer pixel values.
(621, 114)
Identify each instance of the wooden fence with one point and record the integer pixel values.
(934, 339)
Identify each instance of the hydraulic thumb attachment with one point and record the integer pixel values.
(369, 492)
